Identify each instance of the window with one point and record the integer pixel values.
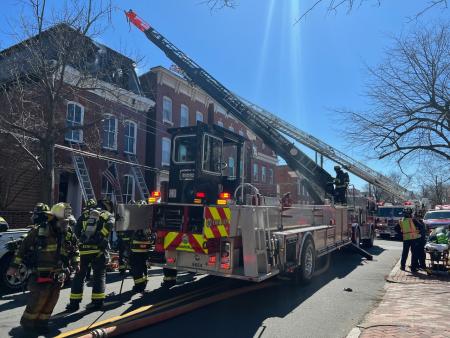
(130, 137)
(220, 124)
(212, 154)
(231, 169)
(198, 117)
(167, 110)
(128, 188)
(270, 176)
(231, 129)
(241, 133)
(107, 189)
(110, 132)
(255, 172)
(263, 174)
(75, 115)
(184, 149)
(184, 116)
(165, 158)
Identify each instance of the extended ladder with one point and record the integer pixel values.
(115, 182)
(82, 174)
(318, 178)
(139, 177)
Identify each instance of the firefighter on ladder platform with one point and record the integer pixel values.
(49, 249)
(94, 245)
(341, 184)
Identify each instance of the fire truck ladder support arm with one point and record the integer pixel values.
(316, 176)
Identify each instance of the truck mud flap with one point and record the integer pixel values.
(362, 252)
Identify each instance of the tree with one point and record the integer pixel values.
(55, 60)
(410, 100)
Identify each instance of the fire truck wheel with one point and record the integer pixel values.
(368, 243)
(307, 266)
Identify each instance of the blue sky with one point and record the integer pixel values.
(297, 71)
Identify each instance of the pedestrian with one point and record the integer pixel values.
(94, 246)
(341, 182)
(49, 250)
(410, 236)
(421, 255)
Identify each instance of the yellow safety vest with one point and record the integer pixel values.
(409, 229)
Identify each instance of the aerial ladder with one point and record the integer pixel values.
(355, 167)
(318, 180)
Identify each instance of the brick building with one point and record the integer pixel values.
(288, 181)
(178, 104)
(113, 114)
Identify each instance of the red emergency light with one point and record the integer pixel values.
(156, 193)
(200, 194)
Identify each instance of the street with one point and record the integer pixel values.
(320, 309)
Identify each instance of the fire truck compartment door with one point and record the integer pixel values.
(134, 217)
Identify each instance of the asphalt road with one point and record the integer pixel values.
(320, 309)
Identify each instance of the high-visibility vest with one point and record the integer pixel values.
(409, 229)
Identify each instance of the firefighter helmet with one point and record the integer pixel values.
(61, 210)
(41, 207)
(337, 167)
(91, 203)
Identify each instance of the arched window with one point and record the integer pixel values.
(128, 188)
(74, 117)
(110, 132)
(130, 133)
(198, 117)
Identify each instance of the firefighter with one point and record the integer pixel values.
(94, 245)
(123, 241)
(139, 252)
(49, 249)
(410, 238)
(90, 204)
(421, 256)
(341, 183)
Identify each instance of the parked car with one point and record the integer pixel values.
(9, 241)
(437, 218)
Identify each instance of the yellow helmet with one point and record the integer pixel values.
(61, 210)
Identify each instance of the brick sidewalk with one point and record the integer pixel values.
(414, 305)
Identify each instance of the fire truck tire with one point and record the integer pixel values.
(357, 237)
(368, 243)
(305, 271)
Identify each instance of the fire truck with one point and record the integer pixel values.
(213, 223)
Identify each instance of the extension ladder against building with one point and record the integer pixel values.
(82, 174)
(139, 177)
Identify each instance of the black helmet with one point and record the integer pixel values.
(41, 207)
(407, 212)
(337, 167)
(91, 203)
(105, 205)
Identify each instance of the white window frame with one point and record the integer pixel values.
(270, 176)
(230, 128)
(126, 195)
(197, 114)
(167, 141)
(255, 166)
(71, 139)
(220, 123)
(126, 128)
(241, 133)
(109, 117)
(169, 119)
(186, 110)
(105, 193)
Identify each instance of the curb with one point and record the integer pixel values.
(356, 331)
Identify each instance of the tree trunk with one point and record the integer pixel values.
(48, 173)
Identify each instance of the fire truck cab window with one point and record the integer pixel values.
(184, 149)
(212, 154)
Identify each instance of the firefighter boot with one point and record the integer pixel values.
(73, 306)
(96, 304)
(170, 278)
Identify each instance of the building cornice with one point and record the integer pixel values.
(107, 90)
